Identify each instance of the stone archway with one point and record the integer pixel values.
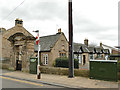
(18, 44)
(22, 48)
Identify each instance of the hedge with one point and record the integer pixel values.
(64, 62)
(118, 66)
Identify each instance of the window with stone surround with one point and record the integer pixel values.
(45, 59)
(62, 54)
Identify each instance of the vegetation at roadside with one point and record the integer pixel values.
(64, 62)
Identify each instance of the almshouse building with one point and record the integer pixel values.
(84, 52)
(52, 47)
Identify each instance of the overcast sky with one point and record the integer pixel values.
(96, 20)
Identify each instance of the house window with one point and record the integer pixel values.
(99, 55)
(91, 56)
(79, 57)
(75, 56)
(45, 59)
(106, 57)
(62, 54)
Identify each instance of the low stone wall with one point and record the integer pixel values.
(63, 71)
(4, 64)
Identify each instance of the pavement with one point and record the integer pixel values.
(62, 81)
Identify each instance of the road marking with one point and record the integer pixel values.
(21, 81)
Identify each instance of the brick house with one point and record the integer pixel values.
(85, 52)
(52, 47)
(17, 46)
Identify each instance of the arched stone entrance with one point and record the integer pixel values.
(18, 45)
(21, 47)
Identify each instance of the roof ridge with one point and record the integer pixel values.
(48, 35)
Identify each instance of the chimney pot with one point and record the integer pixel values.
(18, 22)
(59, 30)
(86, 42)
(100, 44)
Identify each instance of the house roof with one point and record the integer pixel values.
(85, 49)
(91, 49)
(98, 49)
(47, 42)
(107, 46)
(78, 46)
(17, 29)
(106, 51)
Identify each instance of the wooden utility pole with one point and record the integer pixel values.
(71, 59)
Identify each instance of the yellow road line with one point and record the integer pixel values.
(21, 81)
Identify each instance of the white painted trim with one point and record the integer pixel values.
(104, 60)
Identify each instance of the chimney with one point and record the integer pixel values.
(59, 30)
(18, 22)
(100, 44)
(86, 42)
(2, 30)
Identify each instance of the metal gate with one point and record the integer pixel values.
(18, 65)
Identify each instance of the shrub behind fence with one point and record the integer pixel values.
(64, 62)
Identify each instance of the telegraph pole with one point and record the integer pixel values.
(71, 59)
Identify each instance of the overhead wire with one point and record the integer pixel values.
(13, 10)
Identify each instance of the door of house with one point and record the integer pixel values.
(83, 59)
(18, 65)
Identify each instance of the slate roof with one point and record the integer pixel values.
(98, 50)
(106, 51)
(91, 49)
(85, 49)
(47, 42)
(78, 46)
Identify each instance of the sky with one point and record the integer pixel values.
(95, 20)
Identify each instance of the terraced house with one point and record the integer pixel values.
(85, 52)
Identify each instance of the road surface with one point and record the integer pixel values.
(14, 84)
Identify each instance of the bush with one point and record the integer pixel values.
(63, 62)
(118, 66)
(118, 75)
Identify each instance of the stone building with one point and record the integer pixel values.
(17, 46)
(52, 47)
(85, 52)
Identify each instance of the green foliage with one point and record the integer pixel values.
(118, 66)
(118, 75)
(64, 62)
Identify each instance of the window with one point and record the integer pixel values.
(91, 56)
(62, 54)
(99, 55)
(106, 57)
(45, 59)
(79, 57)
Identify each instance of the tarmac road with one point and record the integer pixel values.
(9, 83)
